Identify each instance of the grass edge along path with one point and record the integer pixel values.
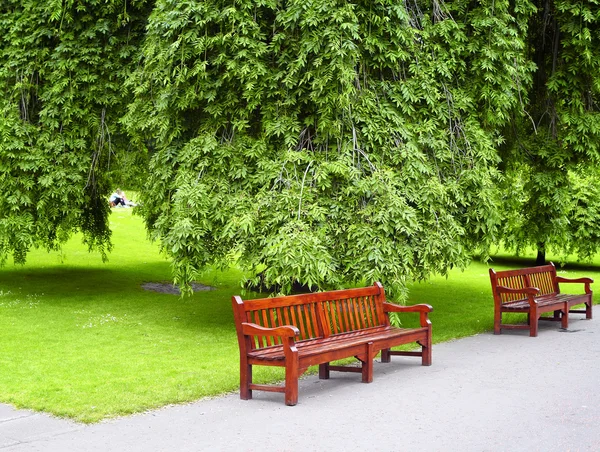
(81, 339)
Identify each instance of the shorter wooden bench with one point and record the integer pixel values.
(299, 331)
(535, 291)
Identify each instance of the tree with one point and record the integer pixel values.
(326, 142)
(555, 142)
(62, 73)
(318, 142)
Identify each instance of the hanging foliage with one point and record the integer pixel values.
(321, 143)
(326, 142)
(63, 65)
(554, 144)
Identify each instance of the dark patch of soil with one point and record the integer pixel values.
(167, 287)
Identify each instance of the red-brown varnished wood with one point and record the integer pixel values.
(367, 362)
(535, 291)
(299, 331)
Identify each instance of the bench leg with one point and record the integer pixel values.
(564, 320)
(557, 314)
(426, 350)
(324, 371)
(245, 380)
(367, 365)
(291, 379)
(533, 319)
(497, 322)
(588, 309)
(385, 355)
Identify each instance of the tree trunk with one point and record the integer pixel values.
(541, 254)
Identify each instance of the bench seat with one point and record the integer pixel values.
(380, 336)
(543, 301)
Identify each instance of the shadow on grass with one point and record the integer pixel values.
(58, 273)
(119, 290)
(56, 278)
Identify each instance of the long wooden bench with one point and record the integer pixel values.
(299, 331)
(535, 291)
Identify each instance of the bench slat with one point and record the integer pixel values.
(331, 308)
(356, 315)
(348, 314)
(266, 323)
(301, 321)
(314, 320)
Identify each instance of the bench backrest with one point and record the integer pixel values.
(316, 315)
(542, 277)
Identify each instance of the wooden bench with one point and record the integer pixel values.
(535, 291)
(299, 331)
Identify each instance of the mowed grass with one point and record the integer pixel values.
(81, 339)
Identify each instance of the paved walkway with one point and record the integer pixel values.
(482, 393)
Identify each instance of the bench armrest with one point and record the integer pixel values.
(586, 281)
(529, 291)
(390, 307)
(574, 280)
(423, 309)
(252, 329)
(525, 290)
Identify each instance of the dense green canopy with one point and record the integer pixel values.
(63, 66)
(322, 142)
(325, 142)
(553, 146)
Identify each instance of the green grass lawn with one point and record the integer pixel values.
(82, 339)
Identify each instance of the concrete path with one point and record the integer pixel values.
(482, 393)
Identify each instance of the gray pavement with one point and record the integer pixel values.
(482, 393)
